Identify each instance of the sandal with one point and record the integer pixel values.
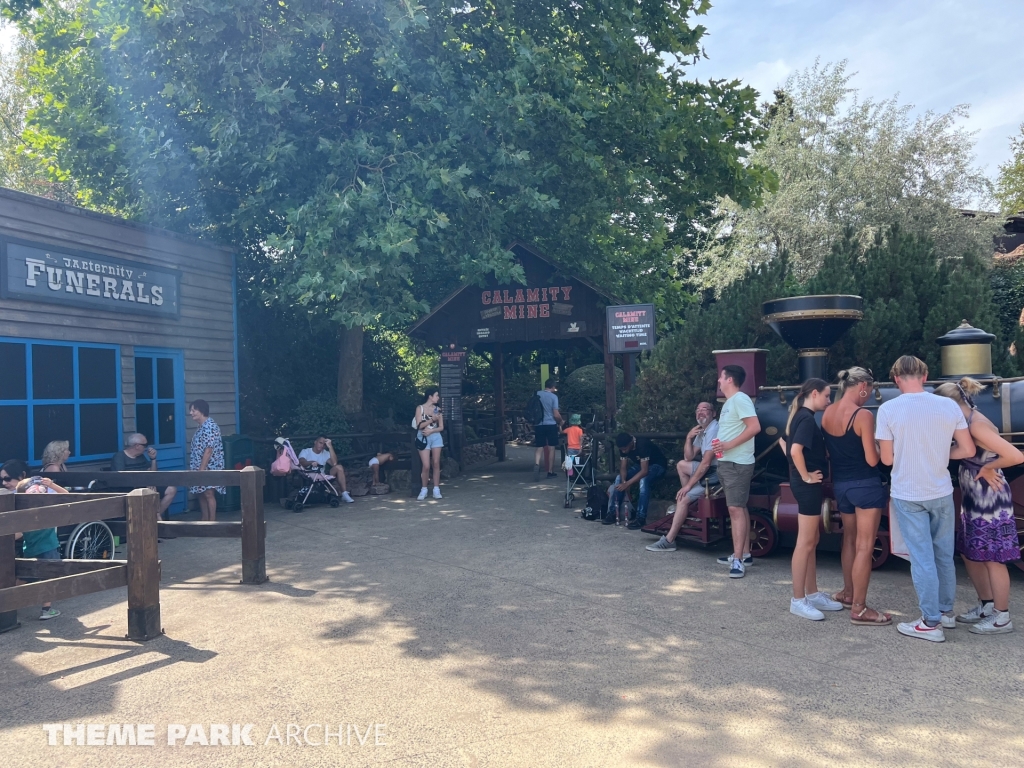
(840, 597)
(863, 617)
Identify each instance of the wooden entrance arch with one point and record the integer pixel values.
(553, 309)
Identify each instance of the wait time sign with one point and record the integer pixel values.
(630, 328)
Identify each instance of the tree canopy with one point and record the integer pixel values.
(1010, 184)
(842, 163)
(368, 155)
(911, 297)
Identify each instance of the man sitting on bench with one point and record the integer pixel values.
(693, 475)
(131, 459)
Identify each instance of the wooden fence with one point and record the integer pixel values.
(64, 579)
(141, 527)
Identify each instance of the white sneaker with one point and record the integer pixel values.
(920, 629)
(823, 602)
(437, 492)
(423, 494)
(948, 620)
(977, 613)
(803, 608)
(346, 497)
(996, 623)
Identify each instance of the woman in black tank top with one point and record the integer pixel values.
(849, 431)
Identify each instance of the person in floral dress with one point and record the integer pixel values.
(206, 452)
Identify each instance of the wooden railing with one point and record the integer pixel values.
(252, 529)
(64, 579)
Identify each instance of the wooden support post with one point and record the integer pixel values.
(8, 619)
(609, 392)
(143, 565)
(628, 370)
(254, 527)
(499, 400)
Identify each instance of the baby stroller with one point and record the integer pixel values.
(579, 471)
(313, 485)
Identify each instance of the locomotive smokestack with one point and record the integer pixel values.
(812, 324)
(966, 351)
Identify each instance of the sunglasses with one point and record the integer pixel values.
(6, 479)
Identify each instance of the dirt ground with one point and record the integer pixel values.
(495, 628)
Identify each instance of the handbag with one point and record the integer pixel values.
(421, 443)
(282, 465)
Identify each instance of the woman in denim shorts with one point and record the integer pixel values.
(429, 423)
(849, 430)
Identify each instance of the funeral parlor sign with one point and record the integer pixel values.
(35, 272)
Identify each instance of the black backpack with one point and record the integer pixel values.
(597, 502)
(535, 410)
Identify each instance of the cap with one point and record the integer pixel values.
(575, 420)
(280, 441)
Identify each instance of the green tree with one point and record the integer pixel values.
(19, 168)
(843, 162)
(911, 297)
(1010, 183)
(371, 155)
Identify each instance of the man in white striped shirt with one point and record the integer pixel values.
(918, 435)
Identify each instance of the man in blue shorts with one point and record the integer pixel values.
(545, 434)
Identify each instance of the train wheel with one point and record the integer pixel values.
(763, 538)
(881, 551)
(90, 541)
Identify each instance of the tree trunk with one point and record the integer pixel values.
(350, 371)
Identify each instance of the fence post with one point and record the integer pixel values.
(8, 619)
(143, 565)
(254, 527)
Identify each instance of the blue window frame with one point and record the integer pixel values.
(51, 390)
(160, 408)
(159, 396)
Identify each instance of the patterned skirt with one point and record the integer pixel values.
(987, 531)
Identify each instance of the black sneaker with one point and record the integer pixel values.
(551, 474)
(636, 523)
(608, 519)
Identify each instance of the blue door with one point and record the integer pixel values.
(160, 408)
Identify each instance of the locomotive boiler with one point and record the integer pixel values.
(811, 325)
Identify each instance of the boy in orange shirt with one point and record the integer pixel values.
(574, 440)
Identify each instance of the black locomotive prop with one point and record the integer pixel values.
(812, 324)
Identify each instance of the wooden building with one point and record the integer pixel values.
(109, 327)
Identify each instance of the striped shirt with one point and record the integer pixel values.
(921, 427)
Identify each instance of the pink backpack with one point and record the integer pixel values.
(285, 463)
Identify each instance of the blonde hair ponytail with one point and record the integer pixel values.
(963, 391)
(853, 376)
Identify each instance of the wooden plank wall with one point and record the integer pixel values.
(205, 329)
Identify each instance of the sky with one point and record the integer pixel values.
(933, 54)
